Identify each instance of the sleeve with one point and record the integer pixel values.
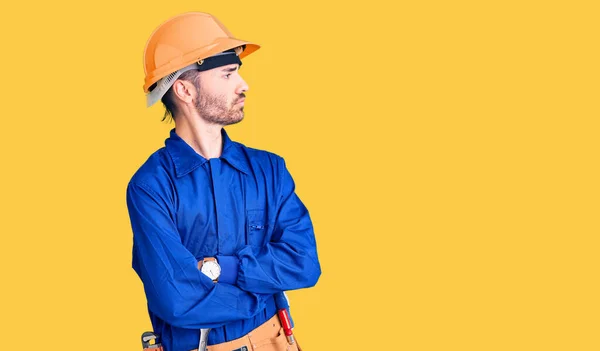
(290, 260)
(176, 290)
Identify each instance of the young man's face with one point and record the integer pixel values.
(220, 97)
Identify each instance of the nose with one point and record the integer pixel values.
(242, 87)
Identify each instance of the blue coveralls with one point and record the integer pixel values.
(240, 208)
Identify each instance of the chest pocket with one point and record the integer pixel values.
(257, 227)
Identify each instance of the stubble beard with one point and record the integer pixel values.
(214, 109)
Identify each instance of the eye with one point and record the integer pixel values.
(227, 75)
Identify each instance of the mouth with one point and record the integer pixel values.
(240, 101)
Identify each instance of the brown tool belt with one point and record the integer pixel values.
(268, 336)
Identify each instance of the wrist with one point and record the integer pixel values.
(210, 267)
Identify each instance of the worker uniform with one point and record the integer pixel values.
(241, 208)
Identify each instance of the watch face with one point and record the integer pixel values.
(211, 269)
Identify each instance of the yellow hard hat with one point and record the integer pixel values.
(185, 40)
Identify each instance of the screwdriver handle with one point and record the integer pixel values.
(287, 326)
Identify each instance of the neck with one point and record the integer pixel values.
(203, 137)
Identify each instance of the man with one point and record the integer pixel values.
(218, 231)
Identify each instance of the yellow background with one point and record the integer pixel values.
(447, 152)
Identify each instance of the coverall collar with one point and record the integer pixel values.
(186, 159)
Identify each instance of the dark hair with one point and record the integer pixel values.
(168, 99)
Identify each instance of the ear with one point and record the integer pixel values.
(184, 91)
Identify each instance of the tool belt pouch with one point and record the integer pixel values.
(267, 337)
